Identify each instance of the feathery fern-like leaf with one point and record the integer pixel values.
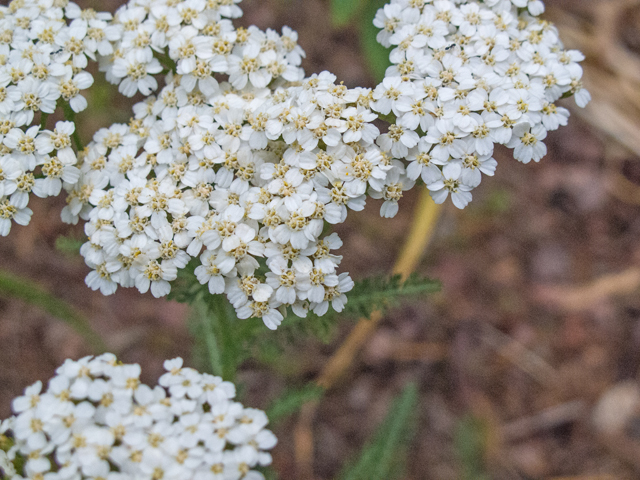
(382, 457)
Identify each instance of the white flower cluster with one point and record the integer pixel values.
(234, 178)
(232, 172)
(44, 46)
(97, 421)
(196, 39)
(467, 75)
(240, 161)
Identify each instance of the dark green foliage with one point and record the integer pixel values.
(384, 456)
(382, 293)
(377, 56)
(368, 295)
(223, 342)
(268, 473)
(342, 11)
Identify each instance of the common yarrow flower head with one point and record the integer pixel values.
(197, 40)
(238, 162)
(467, 75)
(45, 46)
(96, 420)
(245, 181)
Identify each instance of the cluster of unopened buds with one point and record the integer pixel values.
(96, 420)
(240, 161)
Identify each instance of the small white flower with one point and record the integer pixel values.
(527, 142)
(117, 427)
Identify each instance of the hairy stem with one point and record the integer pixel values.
(210, 321)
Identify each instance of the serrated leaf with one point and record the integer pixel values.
(343, 11)
(367, 296)
(382, 458)
(291, 401)
(381, 293)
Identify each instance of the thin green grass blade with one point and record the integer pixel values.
(470, 444)
(33, 294)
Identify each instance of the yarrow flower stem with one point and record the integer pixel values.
(212, 320)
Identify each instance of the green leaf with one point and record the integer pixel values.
(234, 341)
(268, 472)
(33, 294)
(343, 11)
(205, 329)
(382, 293)
(376, 55)
(222, 341)
(383, 457)
(291, 401)
(375, 293)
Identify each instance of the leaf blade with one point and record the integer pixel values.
(33, 294)
(379, 457)
(292, 400)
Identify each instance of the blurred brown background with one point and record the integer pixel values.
(532, 348)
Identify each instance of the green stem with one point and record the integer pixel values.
(33, 294)
(230, 346)
(209, 324)
(70, 116)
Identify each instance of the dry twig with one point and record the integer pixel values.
(574, 299)
(519, 355)
(545, 420)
